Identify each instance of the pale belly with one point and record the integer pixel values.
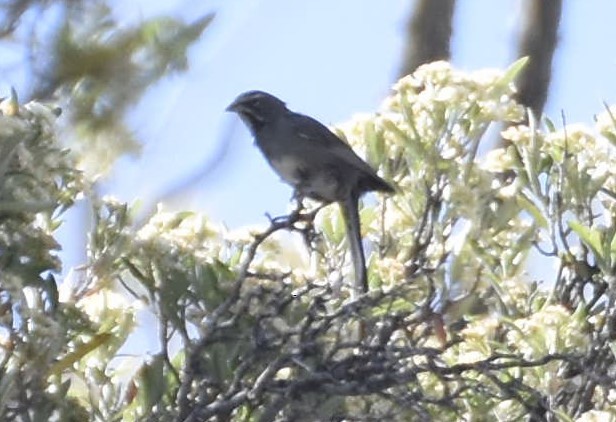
(322, 185)
(288, 168)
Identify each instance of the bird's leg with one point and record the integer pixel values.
(298, 213)
(298, 197)
(295, 215)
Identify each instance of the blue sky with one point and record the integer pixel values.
(329, 59)
(326, 58)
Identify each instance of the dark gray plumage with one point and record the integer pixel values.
(312, 159)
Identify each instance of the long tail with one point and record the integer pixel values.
(350, 212)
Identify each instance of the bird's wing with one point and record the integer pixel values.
(313, 131)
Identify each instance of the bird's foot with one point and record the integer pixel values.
(299, 214)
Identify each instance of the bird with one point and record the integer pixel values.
(314, 161)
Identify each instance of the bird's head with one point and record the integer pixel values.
(257, 108)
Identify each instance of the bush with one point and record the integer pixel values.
(258, 323)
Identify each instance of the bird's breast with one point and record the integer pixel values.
(289, 168)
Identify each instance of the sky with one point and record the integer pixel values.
(328, 59)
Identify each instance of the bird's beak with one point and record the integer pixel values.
(234, 106)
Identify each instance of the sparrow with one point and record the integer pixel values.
(314, 161)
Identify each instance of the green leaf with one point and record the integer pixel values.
(549, 124)
(151, 383)
(610, 137)
(608, 236)
(339, 227)
(513, 71)
(531, 158)
(528, 206)
(398, 305)
(371, 141)
(178, 218)
(208, 282)
(79, 352)
(173, 286)
(327, 227)
(375, 141)
(612, 243)
(333, 226)
(402, 137)
(588, 236)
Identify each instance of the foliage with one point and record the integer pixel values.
(38, 182)
(258, 323)
(95, 66)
